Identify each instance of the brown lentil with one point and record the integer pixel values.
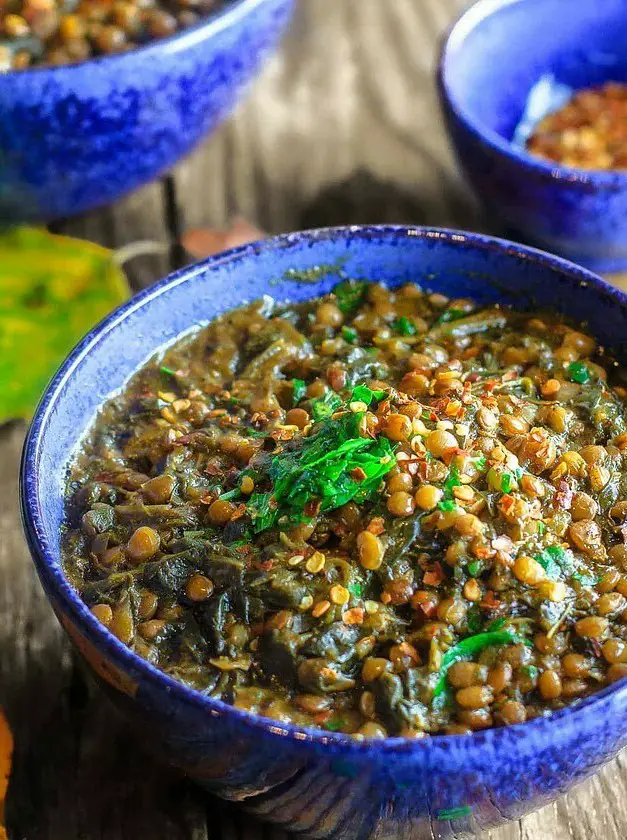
(37, 33)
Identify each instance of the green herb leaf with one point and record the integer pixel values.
(404, 326)
(299, 390)
(470, 647)
(480, 461)
(355, 589)
(506, 482)
(530, 671)
(349, 334)
(578, 372)
(447, 504)
(232, 494)
(450, 315)
(335, 724)
(324, 407)
(556, 562)
(330, 467)
(167, 371)
(53, 290)
(362, 393)
(451, 482)
(349, 295)
(474, 568)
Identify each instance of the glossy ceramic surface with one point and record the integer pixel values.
(492, 58)
(75, 137)
(322, 784)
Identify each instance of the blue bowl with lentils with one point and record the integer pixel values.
(99, 98)
(338, 519)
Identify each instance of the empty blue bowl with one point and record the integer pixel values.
(323, 784)
(75, 137)
(493, 56)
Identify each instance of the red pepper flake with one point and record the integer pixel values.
(563, 496)
(213, 469)
(323, 717)
(376, 525)
(240, 510)
(353, 616)
(448, 454)
(266, 565)
(433, 417)
(434, 575)
(483, 552)
(357, 474)
(491, 384)
(489, 602)
(312, 507)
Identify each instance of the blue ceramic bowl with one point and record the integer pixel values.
(319, 783)
(494, 55)
(75, 137)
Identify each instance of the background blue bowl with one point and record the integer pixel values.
(316, 782)
(75, 137)
(492, 58)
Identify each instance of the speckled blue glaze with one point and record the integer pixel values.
(73, 138)
(322, 784)
(492, 58)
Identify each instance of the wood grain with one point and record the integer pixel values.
(342, 127)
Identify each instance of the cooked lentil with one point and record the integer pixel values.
(589, 132)
(55, 32)
(394, 537)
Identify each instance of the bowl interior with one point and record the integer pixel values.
(293, 267)
(500, 49)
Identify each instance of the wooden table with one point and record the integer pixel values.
(342, 127)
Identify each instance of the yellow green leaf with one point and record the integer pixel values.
(53, 289)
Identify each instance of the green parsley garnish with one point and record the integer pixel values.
(404, 326)
(335, 724)
(349, 334)
(474, 568)
(530, 671)
(167, 371)
(322, 469)
(364, 394)
(323, 407)
(232, 494)
(355, 589)
(349, 295)
(555, 561)
(299, 390)
(447, 504)
(450, 315)
(480, 461)
(506, 482)
(578, 372)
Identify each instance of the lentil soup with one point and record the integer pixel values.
(378, 512)
(56, 32)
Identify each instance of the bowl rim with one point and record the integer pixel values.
(219, 20)
(126, 660)
(453, 39)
